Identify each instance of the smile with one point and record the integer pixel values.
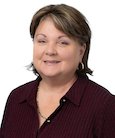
(51, 62)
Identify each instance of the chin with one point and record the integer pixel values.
(49, 75)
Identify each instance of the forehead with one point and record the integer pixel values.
(48, 26)
(59, 23)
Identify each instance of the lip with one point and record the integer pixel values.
(51, 62)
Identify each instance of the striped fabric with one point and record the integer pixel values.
(86, 111)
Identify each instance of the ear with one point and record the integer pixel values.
(82, 50)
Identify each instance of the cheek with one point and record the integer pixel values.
(72, 59)
(35, 57)
(72, 56)
(36, 52)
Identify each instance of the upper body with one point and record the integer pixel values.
(63, 102)
(87, 110)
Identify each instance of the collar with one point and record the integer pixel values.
(28, 91)
(75, 93)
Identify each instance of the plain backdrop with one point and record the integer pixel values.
(16, 45)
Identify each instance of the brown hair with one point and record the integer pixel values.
(71, 22)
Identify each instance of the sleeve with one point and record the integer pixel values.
(5, 117)
(1, 136)
(108, 127)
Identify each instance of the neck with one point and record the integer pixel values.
(57, 85)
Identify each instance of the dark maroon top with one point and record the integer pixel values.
(86, 111)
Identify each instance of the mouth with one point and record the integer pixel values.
(51, 62)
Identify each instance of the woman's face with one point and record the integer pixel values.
(54, 53)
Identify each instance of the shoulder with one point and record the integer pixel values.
(102, 97)
(23, 91)
(104, 109)
(97, 89)
(92, 88)
(25, 86)
(98, 95)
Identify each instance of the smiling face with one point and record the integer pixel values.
(54, 53)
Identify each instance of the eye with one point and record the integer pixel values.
(63, 43)
(41, 41)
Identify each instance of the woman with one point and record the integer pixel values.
(62, 102)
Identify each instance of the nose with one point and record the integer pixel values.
(51, 49)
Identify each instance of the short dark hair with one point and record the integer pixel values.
(70, 21)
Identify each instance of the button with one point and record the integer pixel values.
(64, 100)
(48, 121)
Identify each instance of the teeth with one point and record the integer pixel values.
(51, 61)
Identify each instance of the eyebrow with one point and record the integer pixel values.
(61, 36)
(41, 35)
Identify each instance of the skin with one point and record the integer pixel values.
(56, 58)
(55, 55)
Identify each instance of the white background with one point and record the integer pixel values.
(16, 44)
